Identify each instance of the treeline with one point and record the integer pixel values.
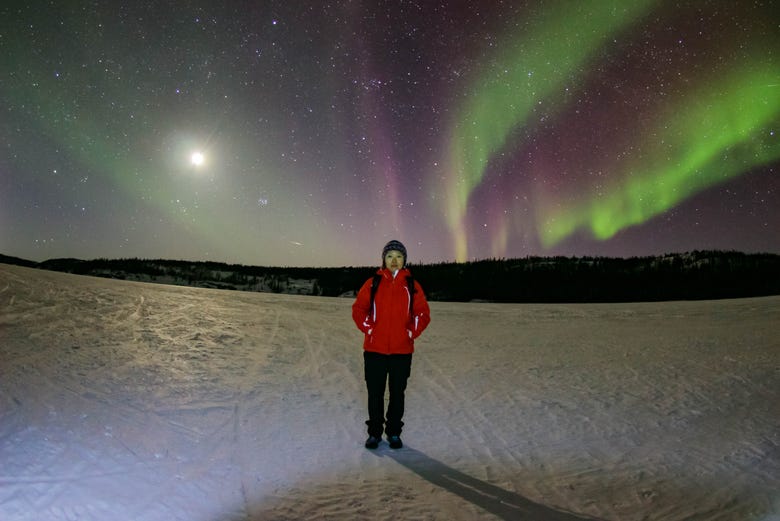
(689, 276)
(686, 276)
(305, 281)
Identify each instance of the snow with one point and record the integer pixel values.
(131, 401)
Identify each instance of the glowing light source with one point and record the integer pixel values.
(197, 158)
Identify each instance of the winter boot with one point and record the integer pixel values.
(395, 442)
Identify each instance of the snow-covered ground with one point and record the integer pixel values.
(131, 401)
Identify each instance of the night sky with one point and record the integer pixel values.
(308, 133)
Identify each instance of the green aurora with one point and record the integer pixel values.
(535, 69)
(720, 128)
(710, 138)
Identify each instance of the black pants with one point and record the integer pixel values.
(381, 369)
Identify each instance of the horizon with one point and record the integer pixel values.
(309, 135)
(356, 266)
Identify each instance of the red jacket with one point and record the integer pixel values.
(390, 328)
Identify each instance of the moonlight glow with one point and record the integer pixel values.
(197, 158)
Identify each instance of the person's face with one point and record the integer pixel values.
(394, 260)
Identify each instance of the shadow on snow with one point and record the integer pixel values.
(497, 501)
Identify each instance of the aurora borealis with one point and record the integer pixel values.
(712, 137)
(467, 130)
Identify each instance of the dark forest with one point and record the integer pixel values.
(681, 276)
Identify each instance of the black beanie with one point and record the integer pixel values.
(393, 245)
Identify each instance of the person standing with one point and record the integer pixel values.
(391, 310)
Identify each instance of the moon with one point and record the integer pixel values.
(197, 158)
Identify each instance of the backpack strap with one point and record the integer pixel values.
(412, 291)
(374, 286)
